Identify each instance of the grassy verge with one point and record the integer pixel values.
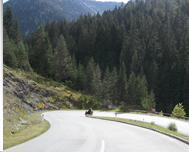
(149, 125)
(23, 134)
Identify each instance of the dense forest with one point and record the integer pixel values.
(31, 13)
(136, 54)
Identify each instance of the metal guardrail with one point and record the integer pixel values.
(164, 114)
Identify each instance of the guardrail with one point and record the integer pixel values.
(164, 114)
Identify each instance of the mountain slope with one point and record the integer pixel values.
(31, 13)
(23, 93)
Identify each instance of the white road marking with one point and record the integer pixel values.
(103, 146)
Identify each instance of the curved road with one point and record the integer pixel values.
(71, 131)
(182, 125)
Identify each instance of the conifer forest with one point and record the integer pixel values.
(138, 52)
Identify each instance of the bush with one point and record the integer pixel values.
(172, 126)
(179, 110)
(160, 113)
(89, 102)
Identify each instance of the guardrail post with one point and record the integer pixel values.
(116, 115)
(42, 115)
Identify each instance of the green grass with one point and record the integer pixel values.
(149, 125)
(23, 134)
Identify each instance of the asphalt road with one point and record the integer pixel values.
(71, 131)
(182, 125)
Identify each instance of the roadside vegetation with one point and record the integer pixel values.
(172, 126)
(33, 128)
(151, 125)
(110, 58)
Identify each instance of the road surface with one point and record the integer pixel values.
(71, 131)
(182, 125)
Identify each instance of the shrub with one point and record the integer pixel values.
(152, 122)
(160, 113)
(179, 110)
(172, 126)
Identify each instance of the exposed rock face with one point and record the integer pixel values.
(29, 94)
(22, 96)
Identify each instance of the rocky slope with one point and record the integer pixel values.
(23, 95)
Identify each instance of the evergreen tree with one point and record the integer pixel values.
(74, 69)
(62, 60)
(8, 22)
(135, 63)
(124, 55)
(81, 78)
(114, 88)
(16, 32)
(53, 33)
(22, 57)
(122, 83)
(11, 25)
(9, 57)
(151, 35)
(142, 89)
(179, 110)
(96, 83)
(89, 75)
(132, 88)
(42, 53)
(148, 102)
(106, 86)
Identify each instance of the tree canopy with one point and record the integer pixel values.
(120, 55)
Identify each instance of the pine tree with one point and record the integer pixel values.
(135, 63)
(8, 22)
(42, 53)
(107, 85)
(53, 33)
(114, 87)
(9, 57)
(81, 78)
(174, 82)
(74, 70)
(96, 83)
(125, 53)
(122, 83)
(142, 89)
(16, 32)
(89, 75)
(22, 57)
(148, 102)
(62, 60)
(179, 110)
(132, 88)
(11, 25)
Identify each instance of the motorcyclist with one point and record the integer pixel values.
(89, 111)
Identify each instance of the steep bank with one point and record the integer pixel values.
(23, 93)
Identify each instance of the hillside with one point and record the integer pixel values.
(31, 13)
(137, 54)
(24, 92)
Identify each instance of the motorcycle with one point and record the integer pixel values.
(90, 113)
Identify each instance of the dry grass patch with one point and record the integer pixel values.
(23, 134)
